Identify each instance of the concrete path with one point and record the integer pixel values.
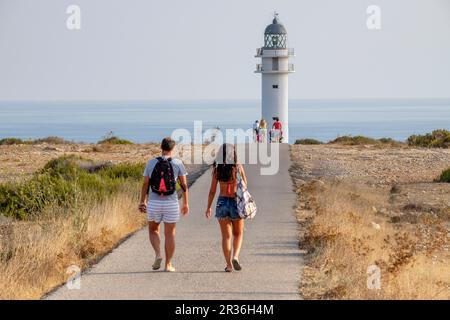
(270, 256)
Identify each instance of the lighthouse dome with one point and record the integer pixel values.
(275, 35)
(275, 28)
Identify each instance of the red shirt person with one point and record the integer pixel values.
(277, 125)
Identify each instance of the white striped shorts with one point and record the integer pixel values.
(163, 211)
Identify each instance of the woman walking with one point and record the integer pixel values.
(225, 170)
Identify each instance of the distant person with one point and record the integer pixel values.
(262, 130)
(277, 130)
(224, 173)
(160, 178)
(256, 131)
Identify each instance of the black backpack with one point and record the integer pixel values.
(162, 179)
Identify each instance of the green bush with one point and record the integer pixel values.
(64, 181)
(437, 139)
(362, 140)
(356, 140)
(114, 140)
(445, 176)
(123, 171)
(308, 141)
(49, 140)
(388, 141)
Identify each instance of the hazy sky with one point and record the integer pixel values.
(204, 49)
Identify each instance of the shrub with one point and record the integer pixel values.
(63, 182)
(114, 140)
(356, 140)
(308, 141)
(362, 140)
(437, 139)
(49, 140)
(123, 171)
(445, 176)
(52, 140)
(387, 141)
(11, 141)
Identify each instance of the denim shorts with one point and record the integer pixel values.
(226, 208)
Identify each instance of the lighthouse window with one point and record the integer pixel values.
(275, 64)
(275, 86)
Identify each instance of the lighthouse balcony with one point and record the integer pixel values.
(290, 69)
(264, 52)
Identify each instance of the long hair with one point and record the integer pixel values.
(263, 124)
(226, 161)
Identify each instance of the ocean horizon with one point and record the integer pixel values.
(150, 121)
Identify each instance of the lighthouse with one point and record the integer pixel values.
(275, 69)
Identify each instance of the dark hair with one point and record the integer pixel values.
(167, 144)
(225, 162)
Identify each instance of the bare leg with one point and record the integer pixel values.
(169, 235)
(238, 235)
(225, 228)
(153, 231)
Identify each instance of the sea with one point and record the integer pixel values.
(150, 121)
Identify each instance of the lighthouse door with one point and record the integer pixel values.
(275, 64)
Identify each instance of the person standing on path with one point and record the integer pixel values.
(231, 224)
(263, 131)
(159, 187)
(277, 129)
(256, 131)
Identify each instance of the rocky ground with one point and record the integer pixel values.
(410, 171)
(346, 193)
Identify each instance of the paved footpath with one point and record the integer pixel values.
(270, 256)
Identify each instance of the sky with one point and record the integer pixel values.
(204, 49)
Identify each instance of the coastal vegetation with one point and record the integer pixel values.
(11, 141)
(108, 139)
(445, 176)
(49, 140)
(308, 141)
(111, 138)
(64, 181)
(70, 212)
(350, 141)
(436, 139)
(362, 140)
(363, 214)
(114, 140)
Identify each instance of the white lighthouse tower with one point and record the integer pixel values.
(275, 68)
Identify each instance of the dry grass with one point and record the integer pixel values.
(36, 253)
(346, 231)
